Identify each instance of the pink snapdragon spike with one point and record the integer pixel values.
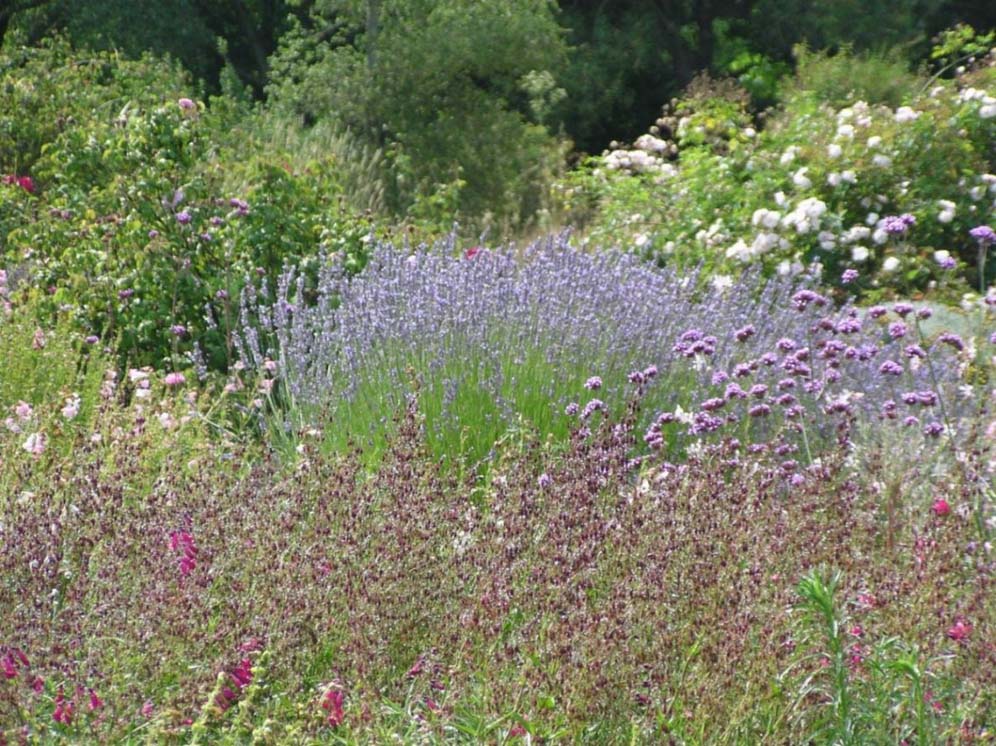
(332, 703)
(940, 508)
(95, 702)
(183, 543)
(242, 673)
(148, 709)
(63, 712)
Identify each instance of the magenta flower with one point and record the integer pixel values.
(186, 104)
(332, 703)
(175, 379)
(940, 508)
(959, 631)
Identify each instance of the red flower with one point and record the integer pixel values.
(960, 630)
(472, 252)
(332, 703)
(516, 731)
(941, 507)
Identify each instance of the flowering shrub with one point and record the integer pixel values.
(816, 186)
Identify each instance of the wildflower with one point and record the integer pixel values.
(242, 673)
(593, 384)
(183, 217)
(897, 330)
(571, 409)
(849, 276)
(933, 429)
(650, 372)
(23, 410)
(959, 631)
(38, 342)
(178, 330)
(544, 482)
(125, 294)
(472, 252)
(944, 259)
(186, 104)
(63, 709)
(332, 703)
(890, 368)
(95, 702)
(92, 339)
(72, 407)
(595, 405)
(148, 709)
(9, 667)
(924, 313)
(35, 444)
(949, 338)
(984, 234)
(175, 379)
(759, 410)
(745, 332)
(940, 508)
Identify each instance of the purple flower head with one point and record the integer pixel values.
(636, 376)
(803, 298)
(912, 351)
(897, 330)
(183, 217)
(221, 294)
(947, 262)
(125, 294)
(786, 383)
(178, 330)
(983, 234)
(92, 339)
(877, 312)
(544, 481)
(692, 335)
(593, 384)
(186, 104)
(733, 391)
(153, 233)
(650, 372)
(848, 326)
(949, 338)
(897, 225)
(572, 409)
(910, 421)
(720, 377)
(909, 398)
(992, 338)
(785, 345)
(903, 309)
(927, 398)
(933, 429)
(759, 410)
(924, 313)
(741, 371)
(711, 405)
(595, 405)
(745, 332)
(890, 368)
(758, 391)
(849, 276)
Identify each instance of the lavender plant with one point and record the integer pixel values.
(498, 336)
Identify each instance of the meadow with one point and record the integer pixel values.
(713, 462)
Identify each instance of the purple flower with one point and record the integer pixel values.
(741, 371)
(903, 309)
(711, 405)
(186, 104)
(897, 330)
(759, 410)
(153, 233)
(92, 339)
(719, 377)
(785, 345)
(947, 262)
(733, 391)
(897, 225)
(745, 332)
(992, 338)
(890, 368)
(636, 376)
(910, 421)
(178, 330)
(544, 481)
(933, 429)
(877, 311)
(650, 372)
(175, 379)
(593, 384)
(758, 390)
(926, 398)
(848, 326)
(912, 351)
(571, 409)
(924, 313)
(786, 383)
(983, 234)
(183, 217)
(125, 294)
(849, 276)
(595, 405)
(952, 339)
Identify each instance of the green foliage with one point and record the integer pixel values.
(844, 77)
(445, 90)
(132, 225)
